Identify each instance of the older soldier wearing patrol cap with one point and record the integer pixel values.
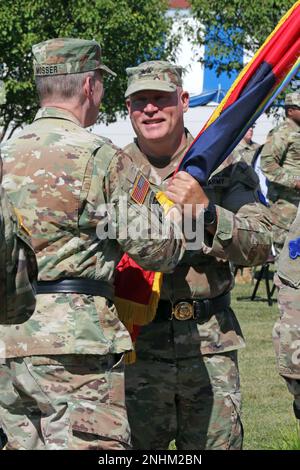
(280, 162)
(63, 374)
(286, 332)
(185, 383)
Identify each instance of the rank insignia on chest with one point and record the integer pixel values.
(294, 248)
(140, 189)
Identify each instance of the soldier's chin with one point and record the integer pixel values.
(155, 132)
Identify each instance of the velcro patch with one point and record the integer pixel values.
(140, 189)
(294, 248)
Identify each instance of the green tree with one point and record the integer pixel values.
(128, 30)
(235, 24)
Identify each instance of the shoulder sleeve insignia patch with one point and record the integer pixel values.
(140, 189)
(294, 248)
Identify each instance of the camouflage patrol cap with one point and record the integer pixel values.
(153, 75)
(67, 55)
(292, 99)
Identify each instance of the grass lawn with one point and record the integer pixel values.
(268, 418)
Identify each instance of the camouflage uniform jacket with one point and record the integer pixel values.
(287, 330)
(18, 267)
(289, 260)
(280, 161)
(63, 179)
(244, 238)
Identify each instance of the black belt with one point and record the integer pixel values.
(78, 286)
(191, 309)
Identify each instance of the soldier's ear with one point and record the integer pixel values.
(128, 104)
(88, 87)
(185, 100)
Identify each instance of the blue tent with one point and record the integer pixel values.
(215, 87)
(207, 96)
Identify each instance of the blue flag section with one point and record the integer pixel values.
(257, 86)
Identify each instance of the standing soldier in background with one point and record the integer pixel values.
(241, 170)
(247, 147)
(280, 162)
(185, 383)
(286, 332)
(63, 375)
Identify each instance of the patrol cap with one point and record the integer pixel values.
(292, 99)
(153, 75)
(67, 55)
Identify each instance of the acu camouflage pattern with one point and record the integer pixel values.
(67, 55)
(246, 151)
(194, 399)
(280, 162)
(64, 403)
(58, 176)
(286, 331)
(18, 268)
(61, 177)
(201, 355)
(292, 99)
(153, 75)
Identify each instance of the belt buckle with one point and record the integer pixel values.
(183, 311)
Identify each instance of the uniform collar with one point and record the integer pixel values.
(154, 174)
(293, 124)
(57, 113)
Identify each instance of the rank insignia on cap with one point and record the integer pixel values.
(140, 189)
(294, 248)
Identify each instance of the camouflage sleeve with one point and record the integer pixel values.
(271, 156)
(244, 238)
(139, 218)
(18, 268)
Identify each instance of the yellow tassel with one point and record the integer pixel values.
(133, 313)
(164, 201)
(20, 221)
(130, 358)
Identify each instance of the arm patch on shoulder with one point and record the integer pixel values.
(294, 248)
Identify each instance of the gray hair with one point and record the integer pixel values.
(64, 86)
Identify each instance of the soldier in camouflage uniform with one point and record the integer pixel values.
(286, 332)
(240, 169)
(280, 162)
(246, 148)
(185, 383)
(62, 384)
(18, 268)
